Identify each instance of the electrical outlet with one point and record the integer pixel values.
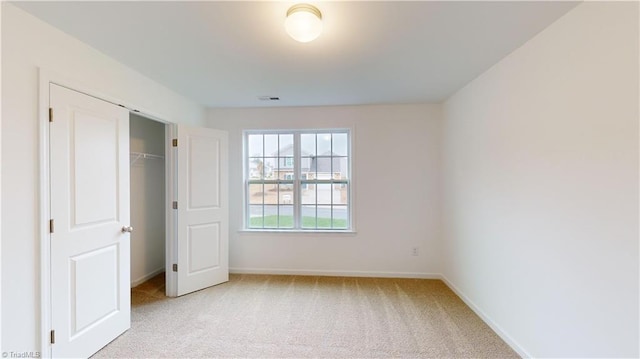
(415, 251)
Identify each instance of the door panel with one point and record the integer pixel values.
(98, 270)
(203, 214)
(89, 178)
(204, 173)
(204, 247)
(94, 146)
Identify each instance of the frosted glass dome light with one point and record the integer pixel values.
(304, 22)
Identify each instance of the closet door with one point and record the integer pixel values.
(89, 178)
(202, 208)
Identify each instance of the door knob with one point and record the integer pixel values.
(126, 229)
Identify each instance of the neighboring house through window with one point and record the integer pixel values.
(298, 180)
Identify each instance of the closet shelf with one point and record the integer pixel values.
(145, 156)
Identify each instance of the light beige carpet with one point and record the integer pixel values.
(302, 317)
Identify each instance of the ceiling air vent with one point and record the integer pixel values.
(268, 98)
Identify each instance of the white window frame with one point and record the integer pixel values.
(297, 181)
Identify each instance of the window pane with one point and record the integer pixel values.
(340, 217)
(271, 194)
(308, 216)
(340, 144)
(308, 144)
(308, 193)
(286, 145)
(255, 217)
(286, 194)
(323, 168)
(324, 193)
(271, 145)
(305, 168)
(340, 194)
(324, 217)
(324, 144)
(255, 193)
(285, 219)
(256, 168)
(255, 146)
(270, 168)
(285, 169)
(270, 216)
(340, 168)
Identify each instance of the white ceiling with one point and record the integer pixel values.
(226, 54)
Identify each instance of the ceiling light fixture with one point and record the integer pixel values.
(304, 22)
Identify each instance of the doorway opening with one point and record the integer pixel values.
(148, 197)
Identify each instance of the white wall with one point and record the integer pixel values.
(540, 158)
(148, 206)
(396, 171)
(1, 7)
(28, 43)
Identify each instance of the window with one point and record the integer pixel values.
(298, 180)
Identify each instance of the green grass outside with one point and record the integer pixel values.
(287, 222)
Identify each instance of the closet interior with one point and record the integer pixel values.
(147, 171)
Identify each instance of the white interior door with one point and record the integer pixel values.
(89, 174)
(203, 208)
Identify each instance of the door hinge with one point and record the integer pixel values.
(174, 142)
(53, 337)
(175, 267)
(50, 114)
(175, 205)
(51, 226)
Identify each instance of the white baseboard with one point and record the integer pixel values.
(146, 277)
(493, 325)
(334, 273)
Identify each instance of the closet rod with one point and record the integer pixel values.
(145, 156)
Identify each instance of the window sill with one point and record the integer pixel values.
(298, 232)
